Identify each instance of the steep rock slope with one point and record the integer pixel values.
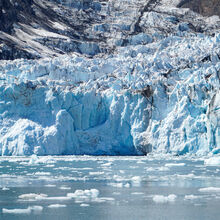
(40, 28)
(48, 28)
(155, 88)
(204, 7)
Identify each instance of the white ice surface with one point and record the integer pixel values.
(210, 189)
(29, 210)
(55, 206)
(164, 199)
(213, 161)
(159, 93)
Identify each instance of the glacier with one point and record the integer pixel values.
(157, 92)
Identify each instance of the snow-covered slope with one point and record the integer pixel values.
(158, 90)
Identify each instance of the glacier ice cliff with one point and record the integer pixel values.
(158, 91)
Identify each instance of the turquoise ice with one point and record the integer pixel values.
(157, 94)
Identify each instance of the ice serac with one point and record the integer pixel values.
(42, 120)
(157, 90)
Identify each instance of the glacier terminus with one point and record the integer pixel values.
(109, 109)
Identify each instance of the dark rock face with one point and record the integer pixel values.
(30, 27)
(203, 7)
(13, 11)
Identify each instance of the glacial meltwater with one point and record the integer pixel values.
(110, 188)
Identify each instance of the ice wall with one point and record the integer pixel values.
(41, 120)
(155, 93)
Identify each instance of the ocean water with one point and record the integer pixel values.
(114, 188)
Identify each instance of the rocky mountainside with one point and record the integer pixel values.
(48, 28)
(204, 7)
(42, 28)
(124, 77)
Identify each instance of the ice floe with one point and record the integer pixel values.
(84, 194)
(191, 197)
(31, 196)
(213, 161)
(164, 199)
(210, 189)
(55, 206)
(84, 205)
(29, 210)
(5, 188)
(174, 164)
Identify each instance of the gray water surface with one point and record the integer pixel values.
(130, 188)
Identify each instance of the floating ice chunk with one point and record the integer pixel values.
(33, 159)
(42, 173)
(150, 169)
(65, 188)
(55, 206)
(103, 199)
(162, 169)
(59, 198)
(36, 160)
(31, 196)
(190, 197)
(29, 210)
(164, 199)
(5, 189)
(107, 198)
(136, 180)
(46, 159)
(174, 164)
(116, 193)
(106, 164)
(17, 211)
(50, 165)
(137, 193)
(84, 205)
(96, 173)
(127, 185)
(120, 185)
(36, 209)
(133, 167)
(7, 176)
(210, 189)
(34, 196)
(118, 178)
(50, 185)
(190, 175)
(91, 195)
(213, 161)
(84, 194)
